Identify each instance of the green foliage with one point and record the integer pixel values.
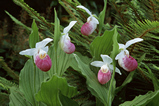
(96, 89)
(102, 17)
(49, 92)
(34, 36)
(17, 21)
(30, 80)
(60, 60)
(16, 97)
(32, 12)
(143, 100)
(7, 84)
(65, 101)
(4, 99)
(102, 44)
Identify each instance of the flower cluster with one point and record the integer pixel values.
(43, 61)
(125, 61)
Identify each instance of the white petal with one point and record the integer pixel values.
(71, 24)
(41, 51)
(121, 46)
(84, 8)
(97, 63)
(43, 43)
(116, 69)
(45, 49)
(29, 52)
(91, 18)
(130, 42)
(120, 55)
(106, 59)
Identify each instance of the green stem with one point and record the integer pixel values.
(110, 87)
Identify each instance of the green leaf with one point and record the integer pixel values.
(143, 100)
(60, 61)
(84, 59)
(57, 33)
(30, 80)
(101, 17)
(98, 90)
(34, 36)
(49, 92)
(65, 101)
(17, 98)
(102, 44)
(115, 45)
(17, 21)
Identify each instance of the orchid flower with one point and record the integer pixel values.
(65, 41)
(41, 58)
(127, 62)
(104, 74)
(91, 23)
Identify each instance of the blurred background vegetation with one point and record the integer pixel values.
(135, 18)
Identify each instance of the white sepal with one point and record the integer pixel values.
(29, 52)
(84, 8)
(121, 46)
(43, 43)
(106, 59)
(45, 49)
(130, 42)
(116, 69)
(97, 63)
(67, 29)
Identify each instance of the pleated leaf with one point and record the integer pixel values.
(49, 92)
(34, 36)
(30, 80)
(102, 44)
(17, 98)
(98, 90)
(60, 60)
(65, 101)
(102, 17)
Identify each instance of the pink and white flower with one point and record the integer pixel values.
(91, 24)
(125, 61)
(104, 74)
(41, 58)
(65, 41)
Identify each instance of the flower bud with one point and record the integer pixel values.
(128, 63)
(43, 62)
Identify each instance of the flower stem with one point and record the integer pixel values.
(110, 87)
